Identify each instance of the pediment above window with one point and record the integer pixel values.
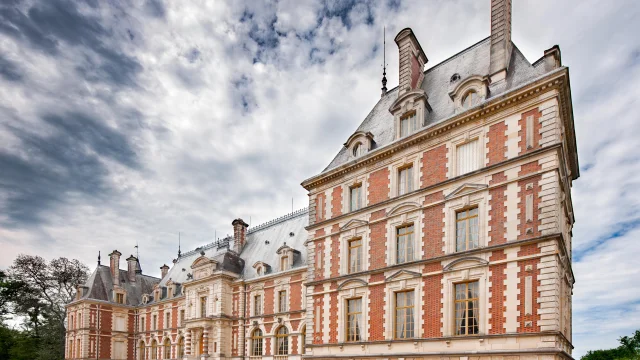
(465, 263)
(403, 274)
(403, 207)
(405, 101)
(203, 261)
(465, 188)
(354, 223)
(352, 283)
(359, 143)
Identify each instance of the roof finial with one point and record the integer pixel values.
(137, 253)
(179, 252)
(98, 257)
(384, 61)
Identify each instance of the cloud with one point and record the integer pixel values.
(131, 122)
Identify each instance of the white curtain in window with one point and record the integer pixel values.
(406, 181)
(468, 157)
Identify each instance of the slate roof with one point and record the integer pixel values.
(262, 244)
(437, 84)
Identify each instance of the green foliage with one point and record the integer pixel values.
(37, 292)
(629, 349)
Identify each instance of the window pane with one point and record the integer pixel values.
(468, 157)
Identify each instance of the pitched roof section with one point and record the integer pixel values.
(100, 285)
(437, 84)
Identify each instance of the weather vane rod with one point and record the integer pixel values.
(384, 61)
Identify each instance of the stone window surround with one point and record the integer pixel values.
(276, 297)
(477, 199)
(456, 276)
(414, 218)
(345, 294)
(117, 291)
(400, 285)
(467, 136)
(346, 192)
(413, 161)
(258, 290)
(409, 105)
(353, 234)
(470, 83)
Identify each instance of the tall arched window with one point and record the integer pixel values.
(180, 347)
(167, 349)
(256, 342)
(141, 351)
(471, 99)
(154, 350)
(282, 341)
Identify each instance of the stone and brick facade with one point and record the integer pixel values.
(457, 244)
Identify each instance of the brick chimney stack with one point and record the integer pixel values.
(131, 268)
(411, 61)
(500, 39)
(114, 264)
(164, 269)
(239, 234)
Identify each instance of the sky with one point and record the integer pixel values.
(129, 122)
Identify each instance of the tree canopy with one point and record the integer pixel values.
(629, 349)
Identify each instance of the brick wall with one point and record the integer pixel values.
(105, 329)
(295, 298)
(433, 231)
(336, 201)
(268, 298)
(497, 143)
(527, 230)
(377, 243)
(434, 166)
(335, 251)
(523, 131)
(376, 308)
(333, 314)
(378, 186)
(497, 215)
(432, 303)
(497, 300)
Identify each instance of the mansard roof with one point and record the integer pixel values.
(100, 285)
(438, 83)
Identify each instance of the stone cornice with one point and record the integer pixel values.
(557, 79)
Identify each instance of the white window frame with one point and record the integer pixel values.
(475, 272)
(350, 292)
(466, 137)
(407, 161)
(413, 217)
(453, 206)
(399, 285)
(361, 233)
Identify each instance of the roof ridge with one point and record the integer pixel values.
(217, 244)
(279, 220)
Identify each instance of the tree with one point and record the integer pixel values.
(39, 291)
(629, 349)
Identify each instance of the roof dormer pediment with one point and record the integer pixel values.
(203, 261)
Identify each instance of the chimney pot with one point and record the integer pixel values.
(500, 39)
(164, 270)
(131, 268)
(411, 61)
(114, 265)
(239, 234)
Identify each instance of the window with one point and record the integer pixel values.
(354, 318)
(467, 229)
(155, 322)
(467, 308)
(468, 157)
(256, 342)
(259, 270)
(78, 349)
(405, 180)
(142, 324)
(257, 305)
(471, 99)
(182, 317)
(408, 124)
(141, 351)
(282, 300)
(358, 150)
(180, 349)
(282, 341)
(404, 244)
(356, 197)
(284, 263)
(71, 323)
(167, 318)
(355, 255)
(154, 350)
(404, 315)
(203, 306)
(167, 349)
(120, 298)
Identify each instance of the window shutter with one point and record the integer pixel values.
(468, 156)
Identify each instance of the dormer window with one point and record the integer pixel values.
(408, 124)
(284, 263)
(259, 270)
(470, 99)
(358, 150)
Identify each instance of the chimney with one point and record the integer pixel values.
(114, 264)
(239, 234)
(411, 60)
(131, 268)
(500, 39)
(164, 270)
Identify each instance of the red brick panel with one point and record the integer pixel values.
(497, 215)
(534, 317)
(105, 329)
(376, 312)
(377, 247)
(295, 298)
(268, 298)
(529, 168)
(432, 306)
(335, 251)
(434, 166)
(336, 201)
(497, 145)
(533, 225)
(522, 144)
(294, 345)
(497, 298)
(378, 186)
(433, 231)
(267, 347)
(333, 315)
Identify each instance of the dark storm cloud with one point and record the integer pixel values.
(47, 24)
(67, 159)
(9, 70)
(155, 8)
